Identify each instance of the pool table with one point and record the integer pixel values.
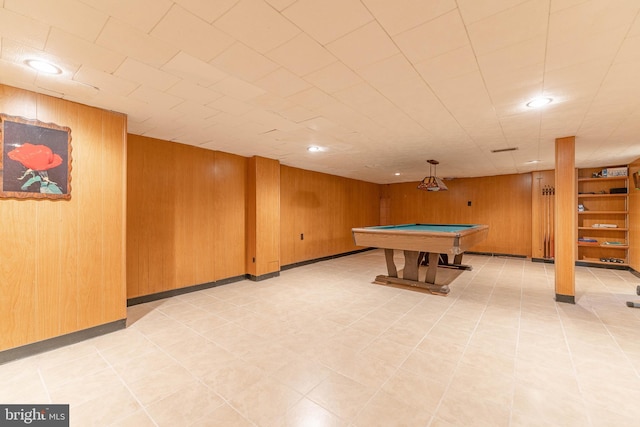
(420, 241)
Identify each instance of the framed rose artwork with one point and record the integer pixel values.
(36, 159)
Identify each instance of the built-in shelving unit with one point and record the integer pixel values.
(603, 218)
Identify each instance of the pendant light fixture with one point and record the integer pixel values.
(432, 182)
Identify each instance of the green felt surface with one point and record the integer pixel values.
(443, 228)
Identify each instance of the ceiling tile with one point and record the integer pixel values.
(104, 81)
(67, 45)
(512, 26)
(450, 64)
(629, 50)
(195, 110)
(238, 89)
(193, 69)
(207, 10)
(473, 10)
(202, 40)
(402, 15)
(282, 83)
(72, 16)
(231, 105)
(363, 46)
(312, 98)
(297, 114)
(301, 55)
(244, 62)
(418, 43)
(69, 89)
(159, 99)
(123, 38)
(280, 4)
(333, 77)
(19, 53)
(391, 71)
(140, 73)
(513, 57)
(23, 29)
(245, 75)
(601, 46)
(257, 25)
(328, 20)
(590, 18)
(17, 75)
(136, 13)
(194, 92)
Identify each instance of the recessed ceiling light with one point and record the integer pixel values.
(533, 161)
(397, 174)
(314, 148)
(539, 102)
(43, 66)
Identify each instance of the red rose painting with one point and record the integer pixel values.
(35, 157)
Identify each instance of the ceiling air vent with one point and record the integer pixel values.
(502, 150)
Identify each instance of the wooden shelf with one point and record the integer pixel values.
(599, 245)
(607, 178)
(603, 228)
(603, 213)
(603, 207)
(599, 195)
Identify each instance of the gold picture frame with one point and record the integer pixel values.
(36, 159)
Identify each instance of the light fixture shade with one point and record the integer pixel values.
(432, 183)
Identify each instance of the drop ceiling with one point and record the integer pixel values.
(380, 85)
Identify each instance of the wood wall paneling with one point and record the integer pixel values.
(565, 219)
(263, 216)
(324, 208)
(185, 215)
(229, 244)
(63, 270)
(503, 202)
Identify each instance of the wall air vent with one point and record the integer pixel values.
(502, 150)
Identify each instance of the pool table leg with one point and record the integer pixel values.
(457, 260)
(391, 266)
(410, 271)
(433, 267)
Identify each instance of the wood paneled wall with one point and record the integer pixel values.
(263, 216)
(634, 218)
(62, 265)
(185, 215)
(503, 202)
(539, 210)
(322, 209)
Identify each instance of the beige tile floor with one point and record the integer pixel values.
(323, 346)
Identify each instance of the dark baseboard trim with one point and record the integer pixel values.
(181, 291)
(635, 273)
(495, 254)
(611, 266)
(571, 299)
(61, 341)
(326, 258)
(544, 260)
(262, 277)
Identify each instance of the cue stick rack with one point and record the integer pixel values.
(548, 215)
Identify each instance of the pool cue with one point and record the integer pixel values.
(548, 251)
(546, 222)
(552, 224)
